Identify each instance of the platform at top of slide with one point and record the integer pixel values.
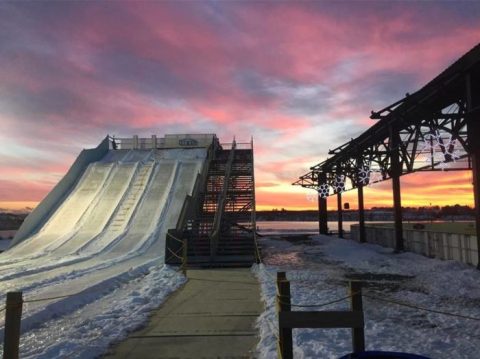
(94, 172)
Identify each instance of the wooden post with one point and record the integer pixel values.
(473, 130)
(13, 317)
(283, 305)
(396, 171)
(184, 256)
(322, 215)
(358, 334)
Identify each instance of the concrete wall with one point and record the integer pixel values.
(450, 246)
(50, 203)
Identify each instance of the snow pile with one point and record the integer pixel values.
(319, 270)
(88, 330)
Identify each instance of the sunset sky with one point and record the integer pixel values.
(300, 77)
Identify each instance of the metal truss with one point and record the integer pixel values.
(424, 131)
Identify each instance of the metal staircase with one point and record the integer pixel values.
(218, 227)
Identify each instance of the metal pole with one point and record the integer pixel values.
(340, 214)
(473, 133)
(361, 215)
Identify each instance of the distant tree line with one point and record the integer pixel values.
(11, 221)
(374, 214)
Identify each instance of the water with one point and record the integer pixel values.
(297, 227)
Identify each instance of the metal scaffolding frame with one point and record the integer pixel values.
(217, 222)
(436, 128)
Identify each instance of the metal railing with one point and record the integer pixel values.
(169, 141)
(178, 254)
(258, 257)
(217, 220)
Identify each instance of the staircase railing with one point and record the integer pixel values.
(217, 221)
(177, 251)
(190, 206)
(176, 242)
(254, 211)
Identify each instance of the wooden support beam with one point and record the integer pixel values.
(397, 212)
(285, 340)
(361, 215)
(356, 304)
(473, 131)
(322, 207)
(395, 172)
(322, 215)
(340, 214)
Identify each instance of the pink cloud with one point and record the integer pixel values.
(24, 190)
(72, 74)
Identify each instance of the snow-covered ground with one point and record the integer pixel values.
(86, 331)
(99, 261)
(319, 269)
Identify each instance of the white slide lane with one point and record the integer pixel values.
(62, 224)
(98, 217)
(143, 227)
(127, 207)
(91, 224)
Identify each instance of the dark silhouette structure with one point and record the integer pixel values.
(216, 227)
(436, 128)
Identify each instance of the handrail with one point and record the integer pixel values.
(254, 209)
(175, 253)
(221, 202)
(188, 212)
(244, 228)
(182, 217)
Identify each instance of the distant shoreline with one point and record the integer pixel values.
(373, 215)
(13, 221)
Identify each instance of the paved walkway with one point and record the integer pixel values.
(212, 316)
